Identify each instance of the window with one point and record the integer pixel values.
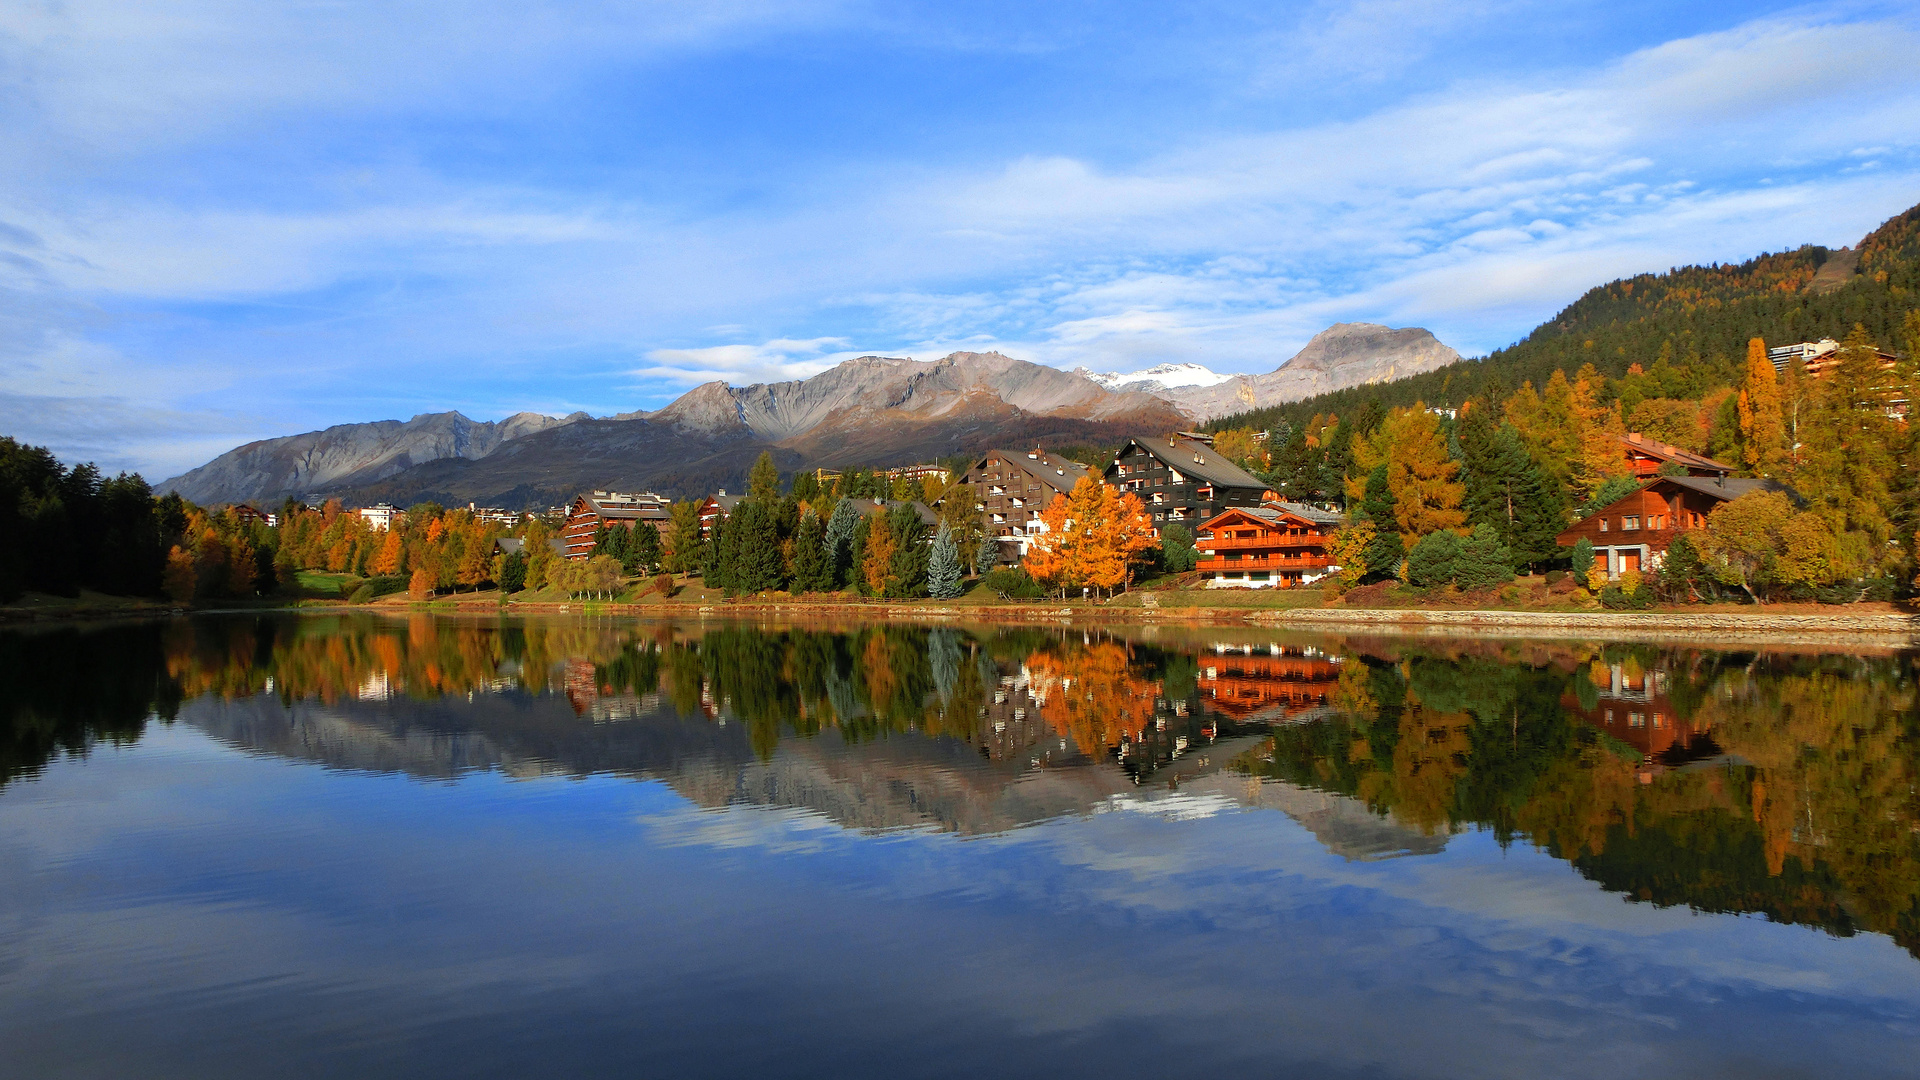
(1630, 523)
(1603, 524)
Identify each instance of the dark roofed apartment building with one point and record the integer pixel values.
(1182, 480)
(1010, 489)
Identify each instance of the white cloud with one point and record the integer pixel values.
(779, 360)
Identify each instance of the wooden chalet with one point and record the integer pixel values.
(1266, 683)
(248, 515)
(1275, 545)
(591, 511)
(1010, 488)
(1634, 533)
(1183, 479)
(1647, 456)
(715, 508)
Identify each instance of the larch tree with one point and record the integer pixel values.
(1423, 478)
(763, 483)
(877, 560)
(1762, 427)
(387, 561)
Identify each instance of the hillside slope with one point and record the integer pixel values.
(1698, 314)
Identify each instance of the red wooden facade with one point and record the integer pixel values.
(1277, 545)
(1635, 532)
(1646, 456)
(589, 512)
(1265, 683)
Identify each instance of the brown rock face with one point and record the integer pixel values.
(1342, 355)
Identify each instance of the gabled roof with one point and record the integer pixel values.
(1277, 511)
(868, 506)
(1199, 460)
(1725, 488)
(1065, 473)
(726, 503)
(508, 545)
(1659, 451)
(617, 507)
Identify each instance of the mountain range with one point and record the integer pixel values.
(871, 410)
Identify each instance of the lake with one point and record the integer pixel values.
(346, 845)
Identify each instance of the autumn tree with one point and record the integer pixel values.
(877, 560)
(763, 483)
(1422, 477)
(1762, 430)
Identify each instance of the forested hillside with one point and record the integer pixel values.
(1699, 317)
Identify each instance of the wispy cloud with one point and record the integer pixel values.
(299, 213)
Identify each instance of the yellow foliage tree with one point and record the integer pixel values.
(387, 560)
(1762, 427)
(1423, 478)
(881, 546)
(1092, 538)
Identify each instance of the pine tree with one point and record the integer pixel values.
(1508, 490)
(943, 566)
(907, 571)
(1483, 561)
(643, 550)
(1383, 555)
(811, 570)
(839, 544)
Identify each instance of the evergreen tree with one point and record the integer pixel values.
(1483, 561)
(1434, 560)
(1177, 553)
(986, 553)
(1508, 490)
(907, 572)
(812, 572)
(943, 566)
(839, 544)
(642, 554)
(1384, 554)
(513, 572)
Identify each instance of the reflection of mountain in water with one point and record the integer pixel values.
(902, 781)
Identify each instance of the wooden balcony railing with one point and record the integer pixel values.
(1236, 543)
(1265, 562)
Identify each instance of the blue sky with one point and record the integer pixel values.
(223, 220)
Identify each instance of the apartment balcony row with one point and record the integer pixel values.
(1236, 543)
(1265, 562)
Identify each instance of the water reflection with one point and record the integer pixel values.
(1777, 782)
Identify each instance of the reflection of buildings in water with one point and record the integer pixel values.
(902, 781)
(599, 703)
(1267, 684)
(1634, 708)
(376, 688)
(1013, 729)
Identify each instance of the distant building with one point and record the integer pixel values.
(917, 473)
(1634, 533)
(1183, 480)
(591, 511)
(715, 509)
(1277, 545)
(1010, 488)
(247, 515)
(496, 515)
(381, 516)
(1646, 456)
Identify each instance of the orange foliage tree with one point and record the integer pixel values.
(1091, 538)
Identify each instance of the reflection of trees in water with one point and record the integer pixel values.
(63, 690)
(1796, 796)
(1811, 816)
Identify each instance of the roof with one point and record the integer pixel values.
(1041, 462)
(1274, 511)
(1199, 460)
(868, 506)
(513, 545)
(1654, 448)
(1726, 488)
(725, 502)
(614, 506)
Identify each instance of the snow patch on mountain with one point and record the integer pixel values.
(1160, 377)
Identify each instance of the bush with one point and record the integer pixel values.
(1631, 593)
(1014, 584)
(1483, 561)
(1432, 561)
(663, 584)
(386, 584)
(1555, 577)
(362, 595)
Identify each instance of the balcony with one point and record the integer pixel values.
(1238, 543)
(1265, 562)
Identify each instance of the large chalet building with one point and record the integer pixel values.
(1181, 479)
(1010, 488)
(1276, 545)
(1635, 532)
(591, 511)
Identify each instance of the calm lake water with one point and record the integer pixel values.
(357, 846)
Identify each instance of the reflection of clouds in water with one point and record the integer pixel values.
(1173, 806)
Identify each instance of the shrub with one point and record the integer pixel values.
(1432, 561)
(663, 584)
(1555, 577)
(1014, 584)
(1483, 561)
(362, 595)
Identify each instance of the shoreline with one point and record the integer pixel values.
(1723, 625)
